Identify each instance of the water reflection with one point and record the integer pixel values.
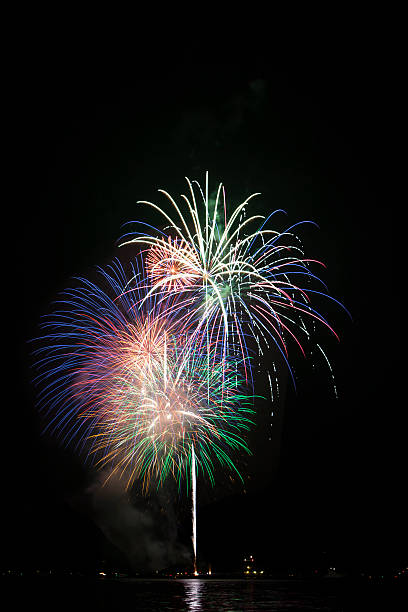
(193, 589)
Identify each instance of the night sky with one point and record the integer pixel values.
(327, 481)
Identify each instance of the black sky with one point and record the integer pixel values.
(312, 141)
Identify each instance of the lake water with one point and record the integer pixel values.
(230, 595)
(201, 595)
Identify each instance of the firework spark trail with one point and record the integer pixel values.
(194, 506)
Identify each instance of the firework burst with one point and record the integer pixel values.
(172, 264)
(148, 371)
(120, 379)
(240, 279)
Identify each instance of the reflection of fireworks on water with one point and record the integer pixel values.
(120, 379)
(240, 279)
